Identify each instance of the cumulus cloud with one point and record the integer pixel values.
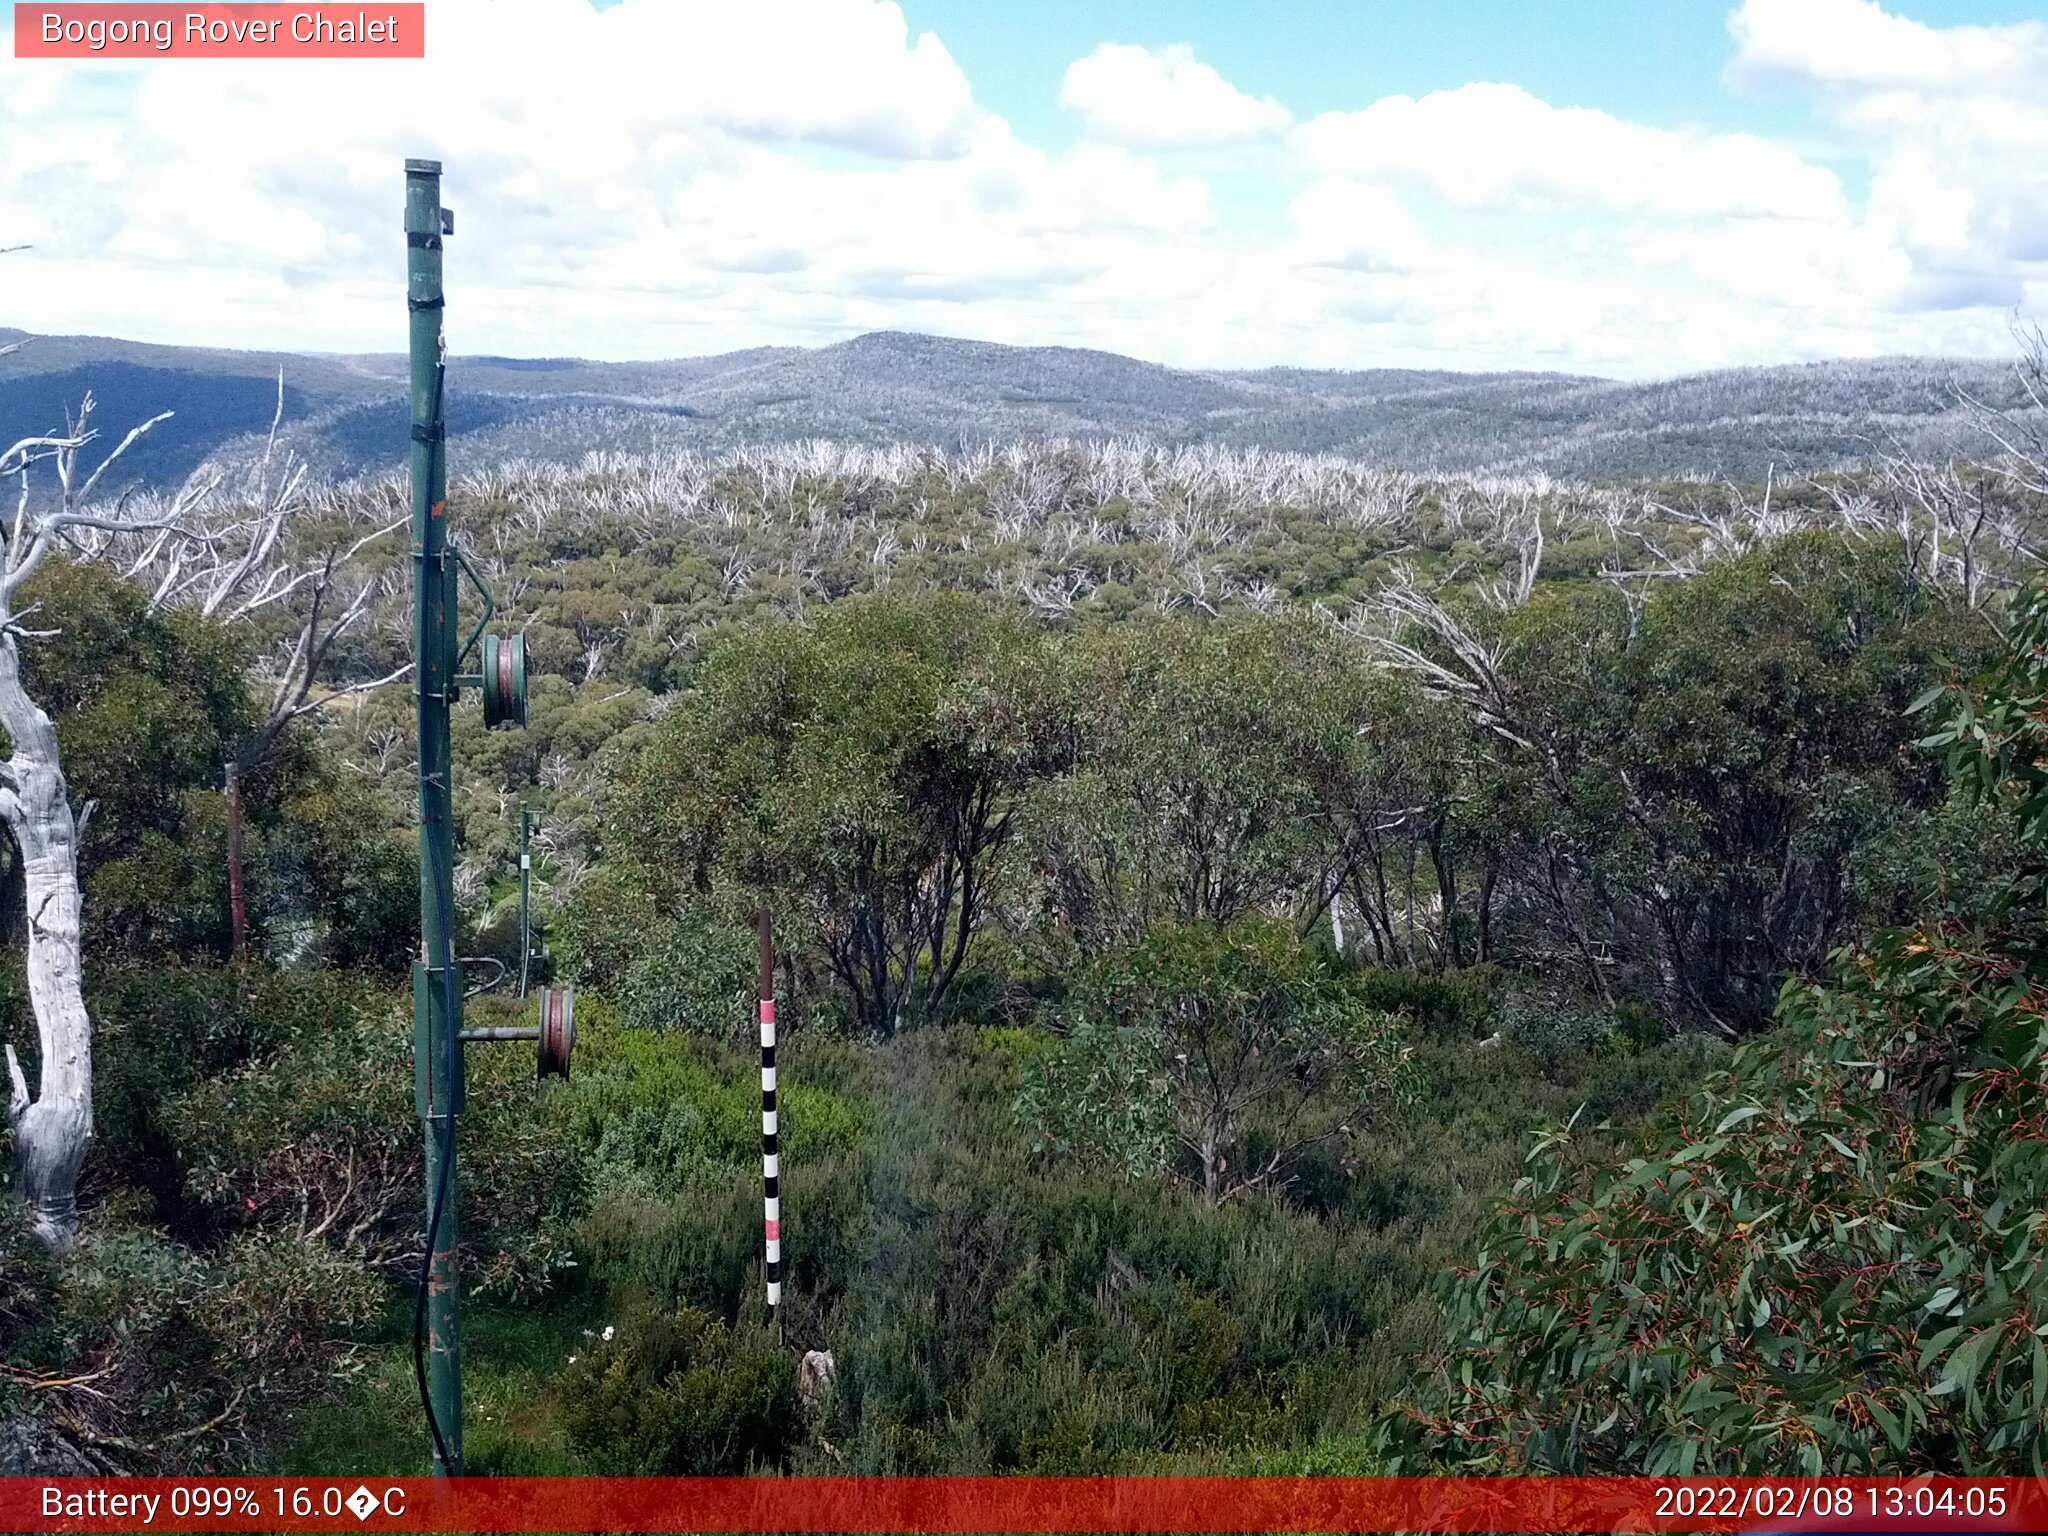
(1486, 145)
(1860, 43)
(1361, 227)
(1950, 121)
(669, 177)
(614, 172)
(1162, 98)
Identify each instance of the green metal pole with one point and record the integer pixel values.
(437, 992)
(525, 871)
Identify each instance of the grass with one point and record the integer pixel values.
(511, 1354)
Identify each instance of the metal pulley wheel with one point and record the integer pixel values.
(557, 1031)
(504, 680)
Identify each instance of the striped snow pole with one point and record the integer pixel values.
(771, 1157)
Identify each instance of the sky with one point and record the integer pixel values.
(1634, 188)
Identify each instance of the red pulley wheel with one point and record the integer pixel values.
(557, 1031)
(504, 680)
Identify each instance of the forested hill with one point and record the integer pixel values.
(347, 416)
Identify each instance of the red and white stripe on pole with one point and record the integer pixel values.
(771, 1152)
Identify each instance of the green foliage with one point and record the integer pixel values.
(174, 1350)
(1831, 1257)
(144, 705)
(1688, 788)
(1552, 1028)
(1217, 1053)
(1218, 766)
(691, 967)
(960, 813)
(164, 1030)
(1450, 1005)
(859, 775)
(1100, 1095)
(665, 1115)
(1675, 801)
(330, 881)
(681, 1395)
(319, 1139)
(147, 707)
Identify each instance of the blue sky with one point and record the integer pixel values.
(1657, 60)
(1633, 188)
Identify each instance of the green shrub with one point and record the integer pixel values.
(1452, 1005)
(1230, 1043)
(675, 1394)
(163, 1029)
(175, 1355)
(664, 1114)
(320, 1139)
(1556, 1030)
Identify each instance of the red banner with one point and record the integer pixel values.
(209, 31)
(1025, 1504)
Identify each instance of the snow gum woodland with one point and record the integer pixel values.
(1198, 873)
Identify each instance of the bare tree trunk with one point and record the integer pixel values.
(238, 907)
(52, 1129)
(1445, 861)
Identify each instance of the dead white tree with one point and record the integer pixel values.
(1410, 627)
(53, 1126)
(1525, 528)
(2020, 430)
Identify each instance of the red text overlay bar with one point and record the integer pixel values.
(1025, 1504)
(96, 31)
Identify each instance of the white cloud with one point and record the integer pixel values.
(1793, 263)
(1487, 146)
(1363, 227)
(1950, 121)
(1859, 43)
(623, 164)
(1161, 98)
(682, 176)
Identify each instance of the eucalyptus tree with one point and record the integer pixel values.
(1677, 789)
(290, 564)
(860, 774)
(1828, 1258)
(1225, 767)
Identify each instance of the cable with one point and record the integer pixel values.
(441, 1184)
(453, 1068)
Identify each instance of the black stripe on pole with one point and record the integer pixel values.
(771, 1160)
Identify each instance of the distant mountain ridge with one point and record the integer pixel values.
(347, 413)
